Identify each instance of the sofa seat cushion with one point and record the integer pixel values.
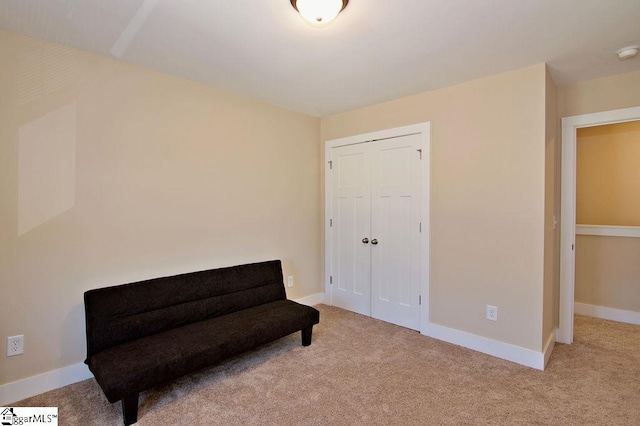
(149, 361)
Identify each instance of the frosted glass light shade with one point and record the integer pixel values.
(319, 12)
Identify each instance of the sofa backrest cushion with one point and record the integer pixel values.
(123, 313)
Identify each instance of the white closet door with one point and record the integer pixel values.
(375, 252)
(395, 231)
(351, 216)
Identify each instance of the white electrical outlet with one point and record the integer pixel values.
(15, 345)
(492, 313)
(290, 281)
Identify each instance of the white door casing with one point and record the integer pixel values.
(399, 181)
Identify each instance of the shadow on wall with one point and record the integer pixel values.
(71, 339)
(47, 144)
(46, 167)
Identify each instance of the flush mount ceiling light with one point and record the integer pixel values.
(319, 12)
(628, 52)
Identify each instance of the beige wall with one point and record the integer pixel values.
(487, 198)
(551, 210)
(608, 272)
(111, 173)
(608, 175)
(602, 94)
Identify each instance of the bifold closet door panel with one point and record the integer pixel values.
(351, 217)
(395, 225)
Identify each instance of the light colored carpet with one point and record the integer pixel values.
(360, 371)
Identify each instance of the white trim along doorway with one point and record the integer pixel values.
(570, 125)
(420, 134)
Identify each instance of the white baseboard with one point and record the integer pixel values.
(314, 299)
(506, 351)
(35, 385)
(603, 312)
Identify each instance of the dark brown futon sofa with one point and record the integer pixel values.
(143, 334)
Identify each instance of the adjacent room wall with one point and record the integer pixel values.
(608, 175)
(608, 272)
(487, 198)
(110, 173)
(608, 193)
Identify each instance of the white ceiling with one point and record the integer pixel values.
(376, 50)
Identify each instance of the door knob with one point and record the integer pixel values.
(365, 240)
(374, 241)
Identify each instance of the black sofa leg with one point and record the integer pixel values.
(130, 409)
(306, 335)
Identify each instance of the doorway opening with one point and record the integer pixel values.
(570, 125)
